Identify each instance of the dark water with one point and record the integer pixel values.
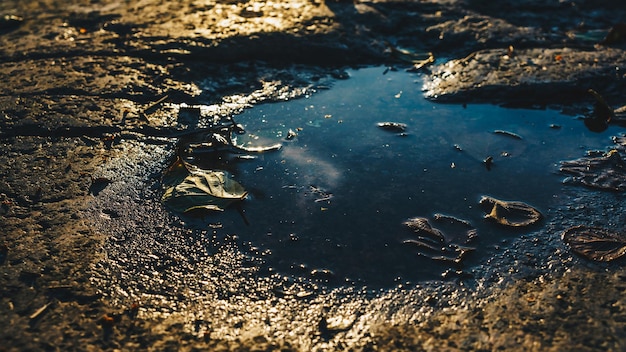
(335, 196)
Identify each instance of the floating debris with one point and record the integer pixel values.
(218, 139)
(606, 171)
(322, 274)
(421, 226)
(291, 134)
(508, 134)
(320, 194)
(451, 219)
(188, 187)
(392, 126)
(432, 243)
(595, 243)
(510, 213)
(421, 242)
(488, 162)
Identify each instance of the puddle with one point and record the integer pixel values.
(331, 203)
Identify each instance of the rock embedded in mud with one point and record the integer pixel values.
(532, 77)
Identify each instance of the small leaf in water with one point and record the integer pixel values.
(510, 213)
(595, 243)
(190, 188)
(392, 126)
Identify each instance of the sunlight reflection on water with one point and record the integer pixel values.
(336, 195)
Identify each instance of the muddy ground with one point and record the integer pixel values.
(90, 260)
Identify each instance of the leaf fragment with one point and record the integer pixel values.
(510, 213)
(189, 187)
(595, 243)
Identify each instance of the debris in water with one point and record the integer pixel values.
(488, 162)
(509, 134)
(392, 126)
(510, 213)
(421, 226)
(188, 187)
(451, 219)
(595, 243)
(432, 243)
(291, 134)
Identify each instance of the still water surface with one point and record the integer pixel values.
(335, 196)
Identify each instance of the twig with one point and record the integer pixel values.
(39, 311)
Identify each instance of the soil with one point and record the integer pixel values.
(90, 260)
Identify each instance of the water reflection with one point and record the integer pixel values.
(336, 196)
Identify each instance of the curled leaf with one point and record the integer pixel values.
(510, 213)
(432, 243)
(595, 243)
(422, 227)
(189, 188)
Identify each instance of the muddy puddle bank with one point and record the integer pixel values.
(220, 283)
(335, 197)
(89, 120)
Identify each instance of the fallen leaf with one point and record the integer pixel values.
(595, 243)
(189, 187)
(510, 213)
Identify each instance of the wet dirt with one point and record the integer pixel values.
(90, 259)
